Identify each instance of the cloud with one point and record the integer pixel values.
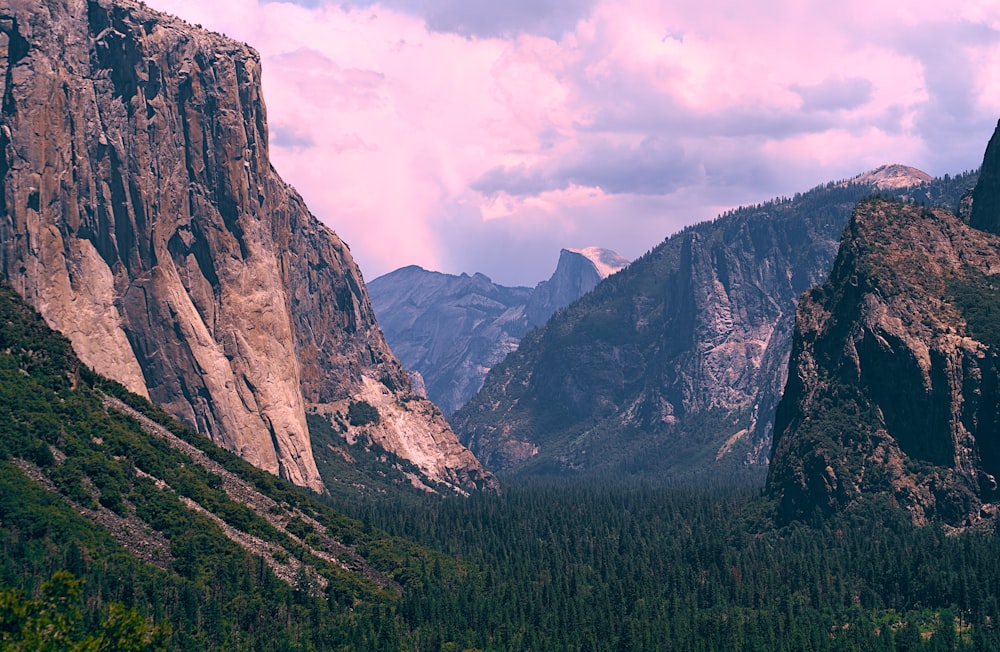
(489, 18)
(465, 135)
(835, 93)
(290, 138)
(653, 167)
(519, 181)
(320, 81)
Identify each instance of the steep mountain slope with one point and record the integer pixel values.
(101, 484)
(985, 211)
(149, 227)
(452, 329)
(894, 385)
(674, 365)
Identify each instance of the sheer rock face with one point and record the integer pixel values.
(894, 381)
(577, 273)
(141, 216)
(985, 211)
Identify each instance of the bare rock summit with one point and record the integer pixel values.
(893, 177)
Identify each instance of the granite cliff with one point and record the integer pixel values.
(577, 273)
(894, 383)
(675, 365)
(452, 329)
(894, 380)
(984, 213)
(140, 214)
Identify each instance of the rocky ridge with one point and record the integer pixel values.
(449, 329)
(674, 365)
(149, 227)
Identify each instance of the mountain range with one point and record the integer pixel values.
(164, 291)
(675, 365)
(150, 228)
(451, 330)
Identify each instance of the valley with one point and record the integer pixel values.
(775, 430)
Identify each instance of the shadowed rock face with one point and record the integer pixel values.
(450, 329)
(985, 213)
(141, 216)
(893, 381)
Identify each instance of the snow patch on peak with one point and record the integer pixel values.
(605, 261)
(893, 177)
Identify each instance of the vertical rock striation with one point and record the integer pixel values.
(141, 216)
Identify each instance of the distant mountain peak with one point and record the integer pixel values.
(577, 273)
(453, 329)
(893, 177)
(605, 261)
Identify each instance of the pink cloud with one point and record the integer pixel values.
(609, 123)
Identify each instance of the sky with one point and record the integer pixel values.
(485, 135)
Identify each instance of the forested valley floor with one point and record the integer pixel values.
(556, 566)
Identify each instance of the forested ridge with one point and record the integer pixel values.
(147, 533)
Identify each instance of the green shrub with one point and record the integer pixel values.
(362, 413)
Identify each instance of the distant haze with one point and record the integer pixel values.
(475, 135)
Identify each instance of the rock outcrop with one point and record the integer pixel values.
(985, 211)
(894, 382)
(674, 365)
(141, 216)
(893, 177)
(451, 330)
(577, 273)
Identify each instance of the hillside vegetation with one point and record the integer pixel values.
(147, 515)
